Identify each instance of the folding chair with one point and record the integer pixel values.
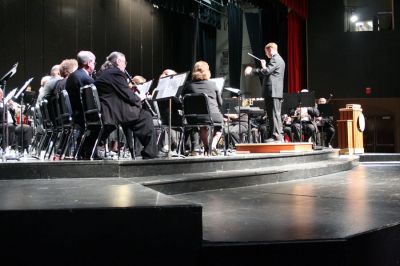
(92, 114)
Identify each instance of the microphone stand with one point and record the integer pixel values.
(21, 120)
(3, 84)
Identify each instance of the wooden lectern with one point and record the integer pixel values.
(350, 129)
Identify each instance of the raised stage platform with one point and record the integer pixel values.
(302, 208)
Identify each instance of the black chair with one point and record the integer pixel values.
(196, 113)
(65, 119)
(38, 131)
(53, 112)
(165, 114)
(48, 127)
(92, 115)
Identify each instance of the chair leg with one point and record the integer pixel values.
(210, 139)
(83, 139)
(96, 142)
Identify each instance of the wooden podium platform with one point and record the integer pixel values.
(274, 147)
(350, 128)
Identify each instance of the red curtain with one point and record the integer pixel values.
(298, 12)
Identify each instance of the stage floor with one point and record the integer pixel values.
(330, 206)
(327, 207)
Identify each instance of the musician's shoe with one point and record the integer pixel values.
(215, 152)
(274, 140)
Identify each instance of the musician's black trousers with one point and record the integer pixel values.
(143, 129)
(273, 107)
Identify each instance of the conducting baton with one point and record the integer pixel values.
(254, 57)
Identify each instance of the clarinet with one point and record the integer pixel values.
(137, 90)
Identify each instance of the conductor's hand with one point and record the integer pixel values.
(263, 64)
(247, 71)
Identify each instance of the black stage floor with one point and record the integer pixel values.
(349, 217)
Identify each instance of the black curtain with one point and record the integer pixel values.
(254, 28)
(275, 28)
(235, 34)
(207, 45)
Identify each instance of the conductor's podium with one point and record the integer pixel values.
(350, 129)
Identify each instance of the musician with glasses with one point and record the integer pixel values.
(77, 79)
(121, 106)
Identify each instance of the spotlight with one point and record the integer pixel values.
(353, 18)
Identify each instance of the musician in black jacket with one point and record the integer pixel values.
(79, 78)
(201, 84)
(325, 122)
(121, 106)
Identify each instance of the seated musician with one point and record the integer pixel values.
(67, 67)
(327, 126)
(163, 109)
(201, 84)
(304, 124)
(287, 126)
(236, 127)
(46, 92)
(121, 106)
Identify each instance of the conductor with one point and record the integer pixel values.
(272, 73)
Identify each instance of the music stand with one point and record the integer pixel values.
(290, 102)
(325, 109)
(169, 88)
(3, 85)
(238, 93)
(21, 93)
(306, 99)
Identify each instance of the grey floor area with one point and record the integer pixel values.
(327, 207)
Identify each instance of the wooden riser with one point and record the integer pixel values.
(273, 147)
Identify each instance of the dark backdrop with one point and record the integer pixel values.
(41, 33)
(344, 63)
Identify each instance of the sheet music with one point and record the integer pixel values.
(23, 87)
(236, 91)
(168, 86)
(10, 95)
(144, 88)
(219, 82)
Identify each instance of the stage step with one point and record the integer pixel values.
(191, 182)
(380, 157)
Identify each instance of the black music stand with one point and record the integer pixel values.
(169, 88)
(3, 85)
(238, 93)
(325, 110)
(290, 103)
(16, 96)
